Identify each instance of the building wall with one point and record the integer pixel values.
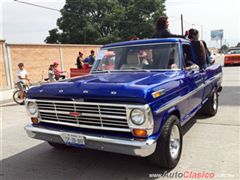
(37, 58)
(3, 77)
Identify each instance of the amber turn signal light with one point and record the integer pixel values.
(140, 132)
(34, 120)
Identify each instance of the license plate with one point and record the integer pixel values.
(74, 139)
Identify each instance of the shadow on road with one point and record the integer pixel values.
(230, 96)
(8, 104)
(43, 162)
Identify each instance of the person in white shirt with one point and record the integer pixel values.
(22, 77)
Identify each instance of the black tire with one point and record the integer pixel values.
(16, 97)
(57, 145)
(162, 156)
(210, 108)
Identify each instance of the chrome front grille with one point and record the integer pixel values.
(91, 115)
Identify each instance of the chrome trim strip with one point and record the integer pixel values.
(104, 116)
(82, 103)
(55, 112)
(180, 99)
(89, 127)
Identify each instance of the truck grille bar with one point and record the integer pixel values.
(89, 115)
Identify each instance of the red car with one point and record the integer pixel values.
(232, 57)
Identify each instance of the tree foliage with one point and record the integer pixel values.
(223, 49)
(104, 21)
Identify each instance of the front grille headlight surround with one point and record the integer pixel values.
(143, 118)
(32, 108)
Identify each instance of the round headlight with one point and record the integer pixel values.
(32, 108)
(137, 116)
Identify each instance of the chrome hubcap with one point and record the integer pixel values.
(174, 142)
(215, 101)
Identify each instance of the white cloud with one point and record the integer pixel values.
(24, 23)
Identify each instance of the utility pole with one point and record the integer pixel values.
(182, 23)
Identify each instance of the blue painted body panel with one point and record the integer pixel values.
(137, 87)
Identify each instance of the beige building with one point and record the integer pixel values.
(37, 58)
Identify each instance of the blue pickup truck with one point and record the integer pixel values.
(135, 101)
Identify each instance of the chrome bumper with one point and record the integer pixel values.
(103, 143)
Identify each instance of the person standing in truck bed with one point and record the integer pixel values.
(162, 29)
(200, 49)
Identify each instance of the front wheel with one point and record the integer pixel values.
(169, 144)
(16, 97)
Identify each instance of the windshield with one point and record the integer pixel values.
(147, 57)
(235, 51)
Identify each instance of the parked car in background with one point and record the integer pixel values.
(135, 101)
(232, 57)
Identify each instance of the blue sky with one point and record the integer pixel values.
(21, 23)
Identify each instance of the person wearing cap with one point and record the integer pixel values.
(58, 73)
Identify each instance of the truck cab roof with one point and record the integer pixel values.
(145, 41)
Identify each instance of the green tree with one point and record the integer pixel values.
(53, 36)
(104, 21)
(238, 44)
(223, 49)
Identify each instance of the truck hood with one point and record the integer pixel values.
(116, 86)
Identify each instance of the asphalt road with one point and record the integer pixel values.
(211, 145)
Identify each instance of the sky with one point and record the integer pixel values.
(21, 23)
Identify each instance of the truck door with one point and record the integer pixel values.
(195, 79)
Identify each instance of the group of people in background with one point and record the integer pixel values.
(87, 62)
(54, 74)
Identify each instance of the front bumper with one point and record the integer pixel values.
(141, 148)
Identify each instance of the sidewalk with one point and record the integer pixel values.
(6, 96)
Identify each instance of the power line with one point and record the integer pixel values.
(36, 5)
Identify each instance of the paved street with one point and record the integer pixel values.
(210, 145)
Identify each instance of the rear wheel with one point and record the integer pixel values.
(169, 144)
(16, 97)
(211, 106)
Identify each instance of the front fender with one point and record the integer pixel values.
(162, 119)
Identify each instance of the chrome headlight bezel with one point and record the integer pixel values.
(148, 124)
(32, 108)
(137, 116)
